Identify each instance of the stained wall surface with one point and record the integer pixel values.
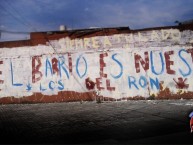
(134, 65)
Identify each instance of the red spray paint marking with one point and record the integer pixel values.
(1, 62)
(103, 75)
(55, 66)
(89, 84)
(109, 86)
(99, 83)
(36, 74)
(145, 64)
(191, 52)
(169, 62)
(180, 84)
(102, 65)
(1, 81)
(70, 62)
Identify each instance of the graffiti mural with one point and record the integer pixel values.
(119, 66)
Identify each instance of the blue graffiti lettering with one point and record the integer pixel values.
(51, 85)
(120, 65)
(61, 85)
(29, 87)
(154, 83)
(152, 65)
(143, 81)
(184, 60)
(77, 64)
(41, 88)
(132, 81)
(61, 64)
(48, 67)
(12, 77)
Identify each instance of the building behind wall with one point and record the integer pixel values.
(60, 66)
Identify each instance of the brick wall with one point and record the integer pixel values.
(110, 64)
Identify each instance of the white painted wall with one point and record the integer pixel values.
(17, 64)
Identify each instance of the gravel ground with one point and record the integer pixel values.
(135, 122)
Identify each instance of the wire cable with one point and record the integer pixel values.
(18, 13)
(16, 18)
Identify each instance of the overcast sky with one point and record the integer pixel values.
(48, 15)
